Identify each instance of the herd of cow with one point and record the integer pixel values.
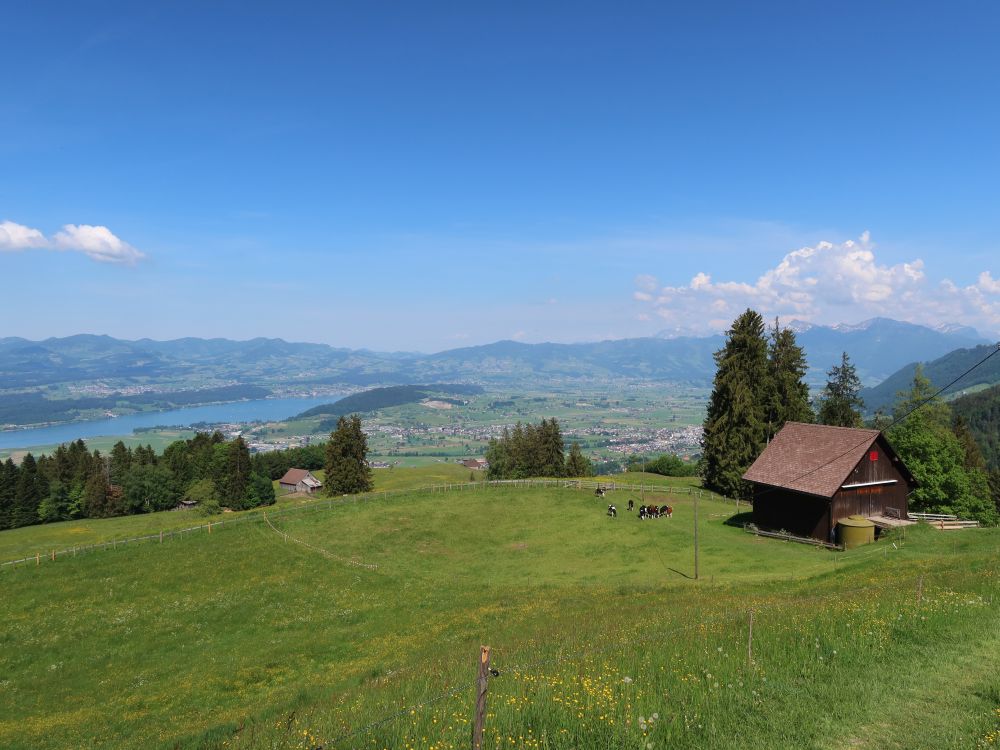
(645, 511)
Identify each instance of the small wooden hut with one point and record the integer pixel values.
(299, 480)
(810, 476)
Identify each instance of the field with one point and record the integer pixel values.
(600, 634)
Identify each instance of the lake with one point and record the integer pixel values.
(265, 409)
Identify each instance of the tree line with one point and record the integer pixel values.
(759, 385)
(74, 482)
(530, 450)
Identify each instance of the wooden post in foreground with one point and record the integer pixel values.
(696, 537)
(750, 642)
(38, 560)
(480, 716)
(920, 590)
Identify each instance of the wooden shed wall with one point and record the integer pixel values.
(805, 515)
(867, 501)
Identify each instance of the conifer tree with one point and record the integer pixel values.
(234, 474)
(347, 470)
(120, 462)
(578, 465)
(31, 490)
(95, 497)
(551, 449)
(8, 491)
(735, 427)
(841, 403)
(788, 394)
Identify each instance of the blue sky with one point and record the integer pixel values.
(424, 176)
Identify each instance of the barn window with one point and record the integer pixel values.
(873, 456)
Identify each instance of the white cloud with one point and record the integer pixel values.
(19, 237)
(827, 283)
(96, 242)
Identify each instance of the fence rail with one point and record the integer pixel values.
(751, 529)
(944, 520)
(257, 515)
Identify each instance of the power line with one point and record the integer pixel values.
(893, 423)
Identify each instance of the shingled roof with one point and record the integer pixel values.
(811, 458)
(294, 476)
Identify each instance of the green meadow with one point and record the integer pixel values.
(357, 624)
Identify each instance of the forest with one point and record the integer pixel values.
(74, 482)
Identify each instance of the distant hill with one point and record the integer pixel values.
(981, 411)
(878, 347)
(383, 398)
(939, 371)
(86, 357)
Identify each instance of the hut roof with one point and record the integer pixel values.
(294, 476)
(812, 458)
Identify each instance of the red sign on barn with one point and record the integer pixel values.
(873, 456)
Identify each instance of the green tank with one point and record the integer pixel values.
(854, 531)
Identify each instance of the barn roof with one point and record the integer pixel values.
(294, 476)
(812, 458)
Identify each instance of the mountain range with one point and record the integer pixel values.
(878, 348)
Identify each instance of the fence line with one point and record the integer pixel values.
(255, 516)
(325, 553)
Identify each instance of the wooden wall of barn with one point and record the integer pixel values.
(801, 514)
(868, 501)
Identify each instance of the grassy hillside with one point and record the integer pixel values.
(246, 639)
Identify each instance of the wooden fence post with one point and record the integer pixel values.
(480, 716)
(161, 536)
(38, 560)
(920, 590)
(53, 555)
(750, 642)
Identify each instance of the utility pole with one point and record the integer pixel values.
(696, 537)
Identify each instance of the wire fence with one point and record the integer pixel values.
(258, 516)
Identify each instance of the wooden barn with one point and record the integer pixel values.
(811, 476)
(299, 480)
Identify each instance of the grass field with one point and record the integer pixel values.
(602, 639)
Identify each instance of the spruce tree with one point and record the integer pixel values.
(347, 470)
(95, 497)
(841, 403)
(8, 491)
(120, 462)
(788, 394)
(498, 456)
(551, 449)
(578, 465)
(31, 490)
(735, 427)
(233, 479)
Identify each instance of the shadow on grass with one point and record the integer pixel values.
(739, 519)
